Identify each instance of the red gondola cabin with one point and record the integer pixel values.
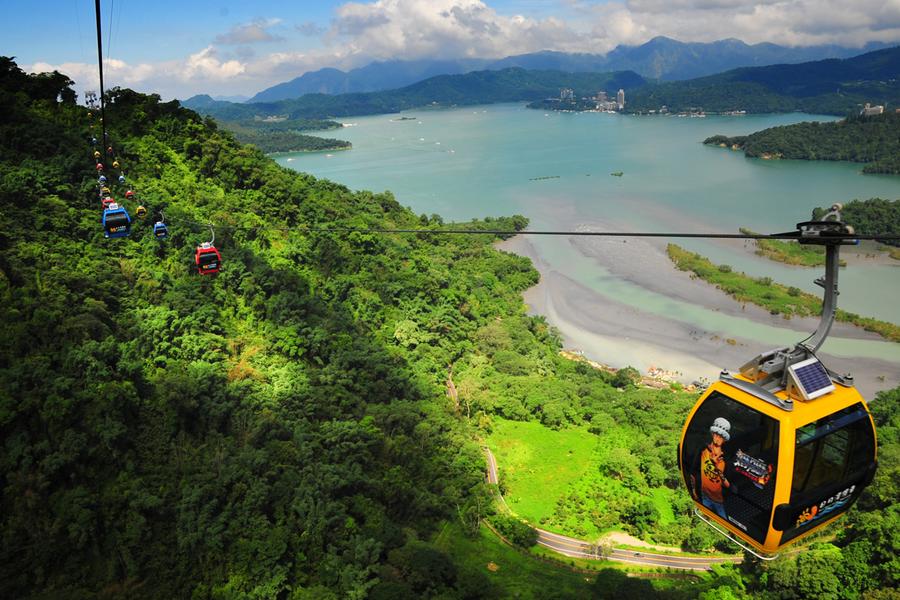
(208, 259)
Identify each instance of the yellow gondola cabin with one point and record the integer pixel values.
(786, 446)
(774, 475)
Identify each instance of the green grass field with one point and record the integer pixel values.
(662, 500)
(538, 464)
(574, 482)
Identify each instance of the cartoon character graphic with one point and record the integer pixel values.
(713, 481)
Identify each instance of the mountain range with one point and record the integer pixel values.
(832, 86)
(478, 87)
(661, 58)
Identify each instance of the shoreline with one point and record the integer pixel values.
(616, 334)
(289, 152)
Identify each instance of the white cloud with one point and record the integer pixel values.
(788, 22)
(206, 65)
(250, 33)
(410, 29)
(444, 29)
(201, 71)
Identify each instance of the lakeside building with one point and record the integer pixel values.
(869, 110)
(566, 94)
(606, 105)
(620, 99)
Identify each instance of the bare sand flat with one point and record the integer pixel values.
(619, 334)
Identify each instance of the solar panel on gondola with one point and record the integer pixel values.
(811, 378)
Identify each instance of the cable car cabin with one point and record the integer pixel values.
(786, 446)
(107, 201)
(116, 222)
(771, 470)
(160, 230)
(207, 259)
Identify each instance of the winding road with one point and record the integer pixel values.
(576, 548)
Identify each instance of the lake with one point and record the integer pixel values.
(555, 169)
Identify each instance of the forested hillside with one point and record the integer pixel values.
(873, 140)
(286, 428)
(277, 429)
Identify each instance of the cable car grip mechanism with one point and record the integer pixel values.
(774, 370)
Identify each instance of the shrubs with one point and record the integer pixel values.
(516, 531)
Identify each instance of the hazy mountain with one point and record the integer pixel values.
(660, 58)
(832, 86)
(477, 87)
(235, 98)
(668, 59)
(373, 77)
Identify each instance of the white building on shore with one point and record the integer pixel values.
(869, 110)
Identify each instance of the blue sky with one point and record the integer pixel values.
(226, 47)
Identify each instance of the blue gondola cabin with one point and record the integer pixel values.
(160, 230)
(116, 222)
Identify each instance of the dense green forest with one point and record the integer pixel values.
(283, 429)
(833, 86)
(871, 216)
(479, 87)
(874, 140)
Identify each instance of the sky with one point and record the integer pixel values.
(223, 48)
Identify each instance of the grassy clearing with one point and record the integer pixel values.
(790, 252)
(582, 484)
(662, 500)
(538, 464)
(517, 574)
(774, 297)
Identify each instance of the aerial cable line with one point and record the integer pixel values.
(109, 34)
(104, 140)
(791, 235)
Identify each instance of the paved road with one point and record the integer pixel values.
(576, 548)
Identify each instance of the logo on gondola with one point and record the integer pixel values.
(755, 469)
(825, 507)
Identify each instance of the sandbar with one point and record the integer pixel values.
(618, 334)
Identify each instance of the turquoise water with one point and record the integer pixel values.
(479, 161)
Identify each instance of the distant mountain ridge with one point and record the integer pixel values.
(374, 77)
(832, 86)
(478, 87)
(661, 58)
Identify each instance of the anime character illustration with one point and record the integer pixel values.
(713, 481)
